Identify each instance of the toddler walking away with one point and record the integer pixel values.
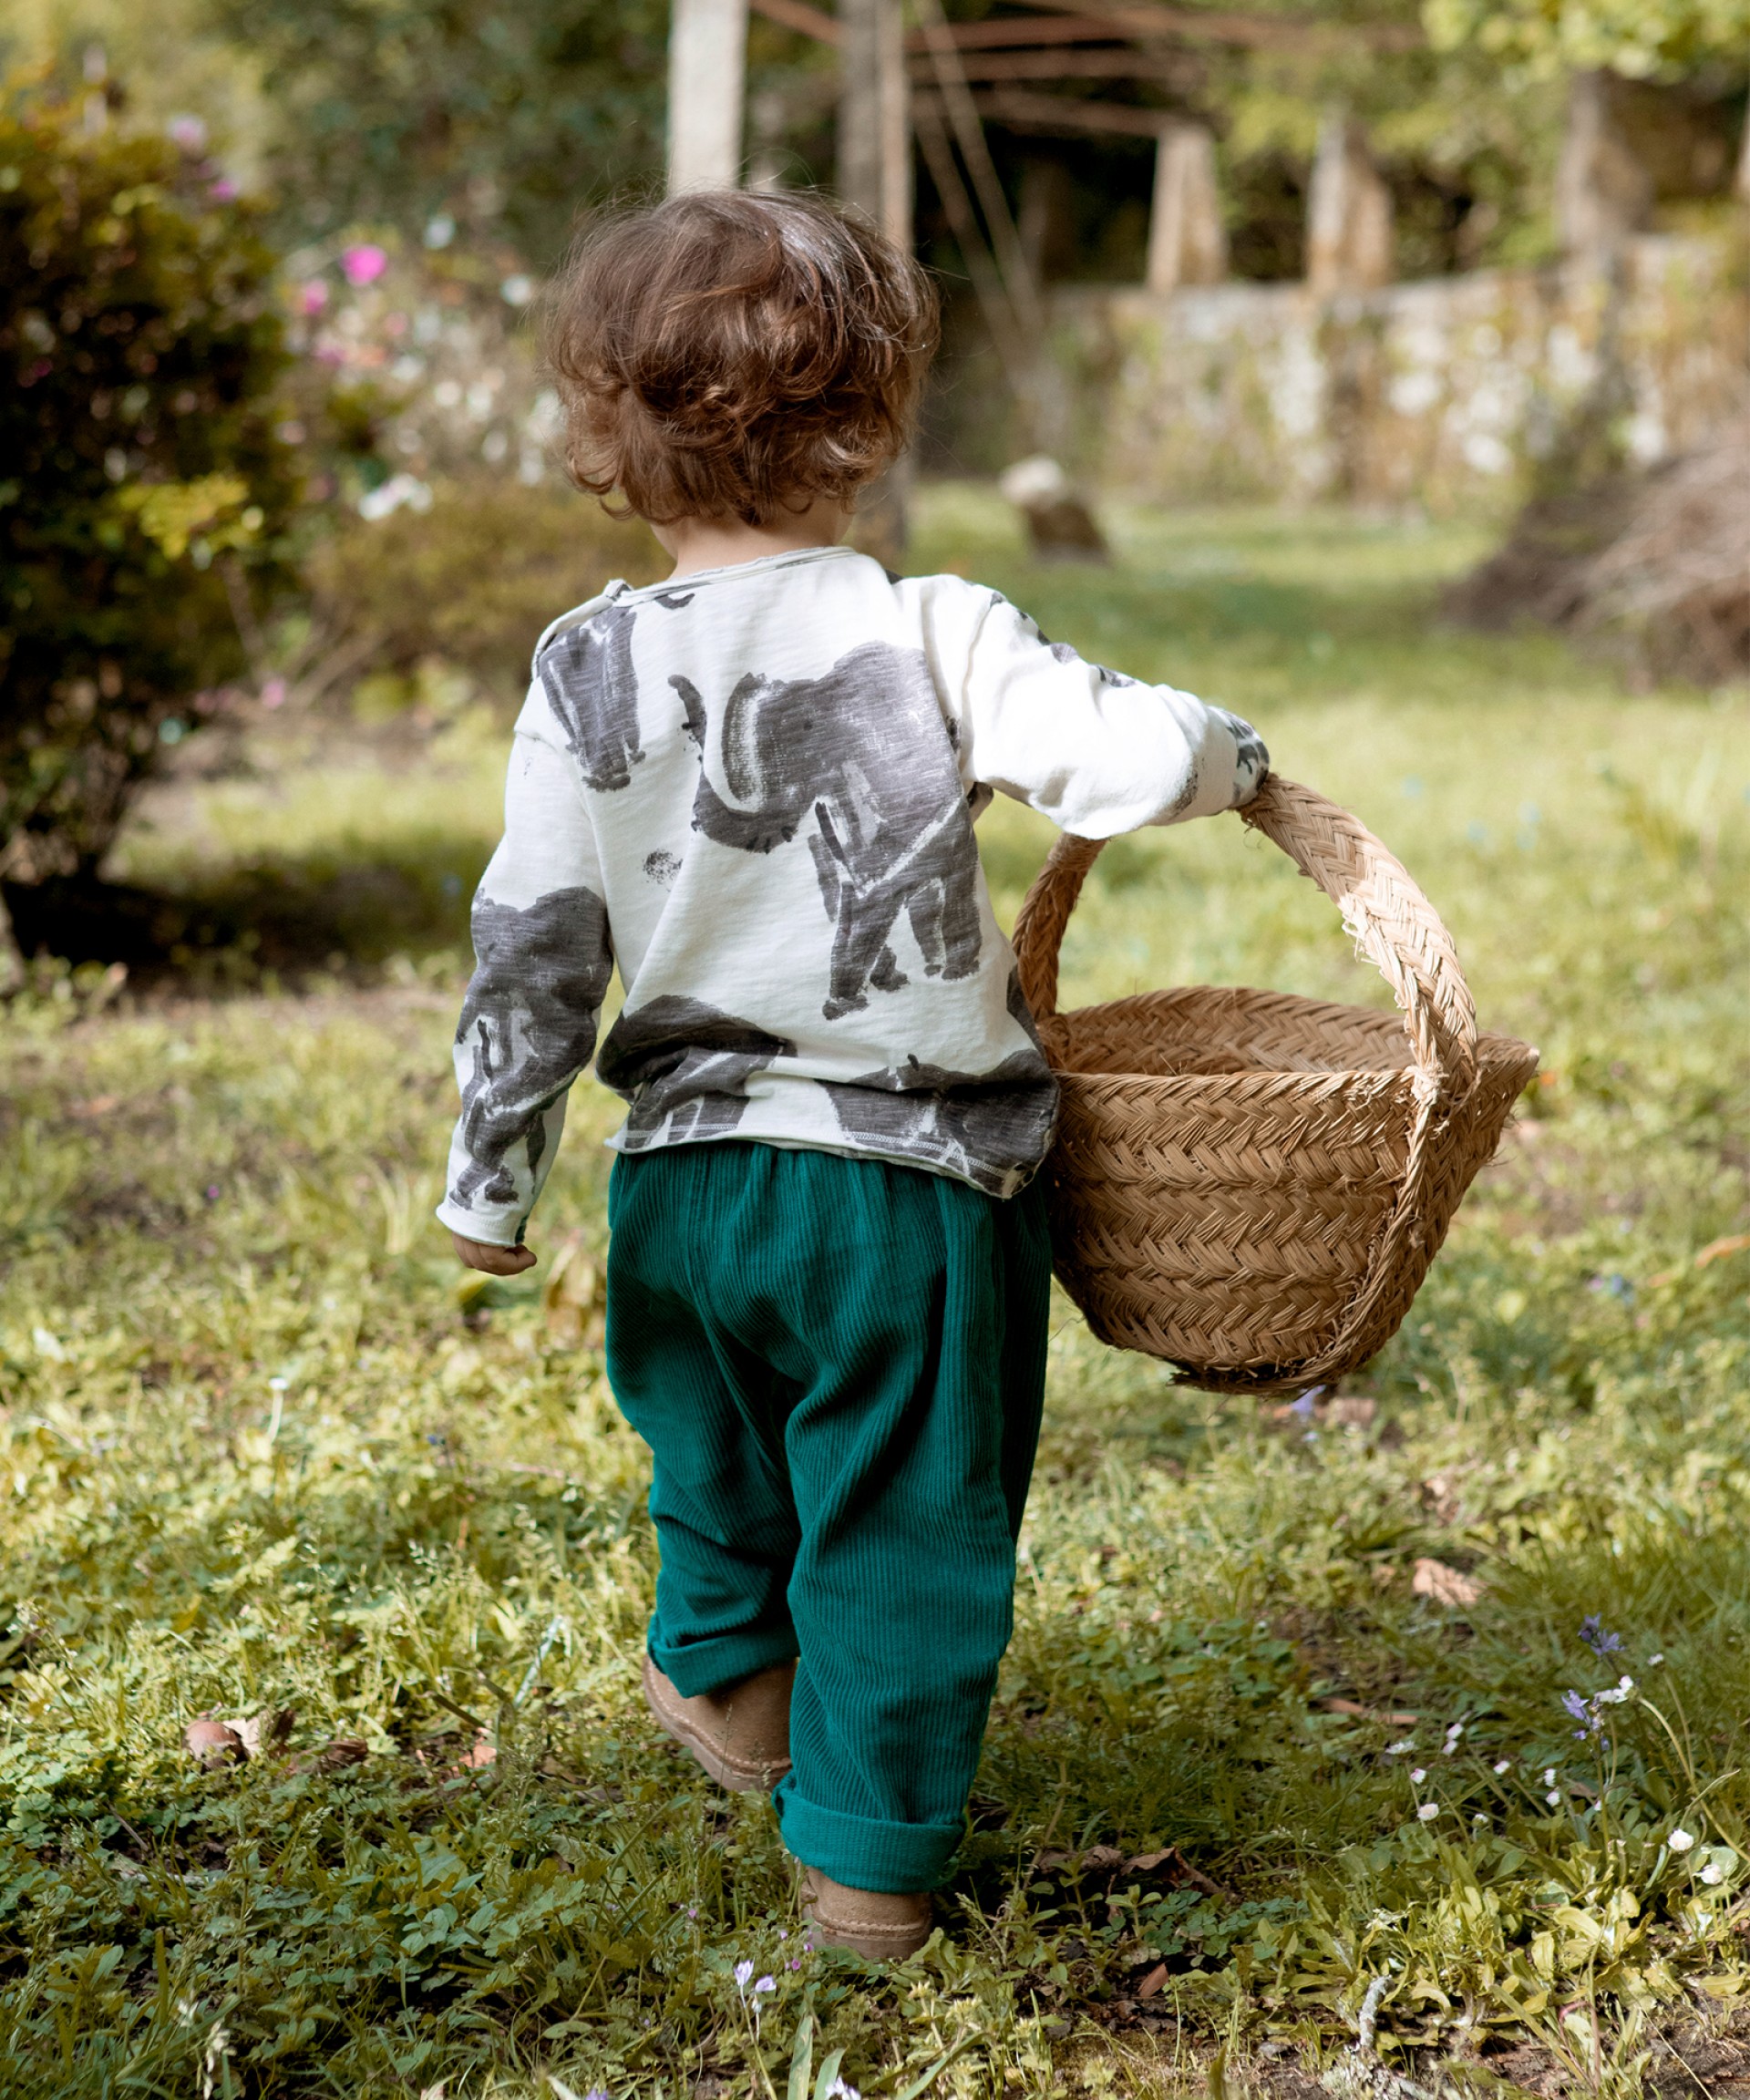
(753, 787)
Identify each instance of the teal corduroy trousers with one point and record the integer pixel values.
(839, 1365)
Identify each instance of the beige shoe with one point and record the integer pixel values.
(741, 1736)
(880, 1927)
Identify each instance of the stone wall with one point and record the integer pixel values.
(1445, 392)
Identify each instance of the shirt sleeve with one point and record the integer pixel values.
(1095, 751)
(542, 960)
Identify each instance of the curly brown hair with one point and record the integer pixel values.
(737, 354)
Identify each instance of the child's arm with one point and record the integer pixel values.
(1097, 752)
(542, 961)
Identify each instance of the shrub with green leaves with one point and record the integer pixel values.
(466, 580)
(144, 493)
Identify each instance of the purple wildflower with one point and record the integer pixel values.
(1576, 1706)
(1592, 1632)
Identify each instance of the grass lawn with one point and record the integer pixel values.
(1251, 1791)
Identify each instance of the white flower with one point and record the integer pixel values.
(744, 1974)
(1417, 1777)
(1427, 1811)
(1713, 1875)
(765, 1983)
(1553, 1797)
(1680, 1840)
(1625, 1684)
(1505, 1764)
(1549, 1776)
(1455, 1732)
(838, 2090)
(1400, 1749)
(1655, 1661)
(1479, 1817)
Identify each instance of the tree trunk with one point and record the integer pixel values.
(875, 178)
(1602, 192)
(1349, 221)
(1188, 243)
(875, 116)
(707, 65)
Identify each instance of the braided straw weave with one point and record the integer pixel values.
(1253, 1184)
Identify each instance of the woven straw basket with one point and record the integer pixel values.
(1253, 1184)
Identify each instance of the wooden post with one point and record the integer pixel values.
(875, 116)
(1602, 192)
(875, 178)
(1188, 243)
(1349, 221)
(708, 65)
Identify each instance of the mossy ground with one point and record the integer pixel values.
(258, 1457)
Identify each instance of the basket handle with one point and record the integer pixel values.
(1389, 917)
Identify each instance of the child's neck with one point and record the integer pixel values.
(722, 542)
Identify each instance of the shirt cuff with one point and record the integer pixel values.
(501, 1229)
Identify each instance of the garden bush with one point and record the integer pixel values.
(146, 492)
(465, 577)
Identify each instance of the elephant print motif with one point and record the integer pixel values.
(1250, 753)
(529, 1019)
(684, 1067)
(862, 751)
(592, 689)
(989, 1126)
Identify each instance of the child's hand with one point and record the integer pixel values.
(493, 1260)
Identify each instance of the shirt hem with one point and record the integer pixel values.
(1013, 1182)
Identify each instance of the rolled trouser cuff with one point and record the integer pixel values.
(700, 1666)
(897, 1858)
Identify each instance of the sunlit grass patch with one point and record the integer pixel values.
(1257, 1782)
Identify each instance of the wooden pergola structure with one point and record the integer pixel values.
(908, 73)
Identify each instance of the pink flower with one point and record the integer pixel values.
(311, 298)
(224, 192)
(365, 263)
(274, 693)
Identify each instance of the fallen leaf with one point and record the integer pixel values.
(333, 1756)
(1359, 1712)
(1152, 1981)
(1098, 1856)
(212, 1742)
(479, 1755)
(1715, 1250)
(1150, 1862)
(1445, 1585)
(263, 1733)
(571, 1297)
(1438, 1492)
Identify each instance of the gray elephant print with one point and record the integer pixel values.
(891, 834)
(1250, 753)
(985, 1126)
(684, 1066)
(529, 1019)
(587, 672)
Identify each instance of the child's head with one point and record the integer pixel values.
(734, 354)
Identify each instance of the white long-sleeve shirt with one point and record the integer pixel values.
(754, 788)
